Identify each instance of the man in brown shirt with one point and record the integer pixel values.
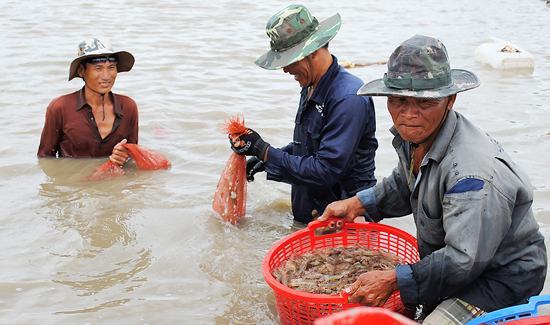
(92, 122)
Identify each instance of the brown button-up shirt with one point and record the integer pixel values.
(70, 129)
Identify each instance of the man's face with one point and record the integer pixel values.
(302, 71)
(99, 76)
(417, 118)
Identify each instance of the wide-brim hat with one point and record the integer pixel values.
(96, 47)
(295, 34)
(420, 67)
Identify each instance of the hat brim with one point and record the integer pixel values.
(462, 80)
(125, 61)
(325, 32)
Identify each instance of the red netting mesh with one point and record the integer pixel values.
(230, 196)
(106, 170)
(145, 159)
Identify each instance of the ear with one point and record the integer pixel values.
(451, 102)
(80, 70)
(315, 55)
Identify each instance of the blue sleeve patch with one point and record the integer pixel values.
(407, 284)
(466, 185)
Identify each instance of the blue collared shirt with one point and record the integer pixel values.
(331, 156)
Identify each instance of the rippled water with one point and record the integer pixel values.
(145, 248)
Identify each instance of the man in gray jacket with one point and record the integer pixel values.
(478, 240)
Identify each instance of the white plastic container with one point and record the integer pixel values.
(503, 55)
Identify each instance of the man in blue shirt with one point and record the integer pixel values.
(331, 156)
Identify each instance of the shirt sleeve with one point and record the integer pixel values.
(387, 199)
(476, 217)
(339, 140)
(406, 283)
(288, 148)
(134, 131)
(51, 133)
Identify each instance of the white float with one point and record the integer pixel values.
(500, 54)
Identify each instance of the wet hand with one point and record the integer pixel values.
(249, 144)
(120, 154)
(253, 166)
(373, 288)
(348, 209)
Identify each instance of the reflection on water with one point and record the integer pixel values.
(109, 304)
(106, 257)
(97, 213)
(225, 259)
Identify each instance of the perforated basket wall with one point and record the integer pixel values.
(298, 307)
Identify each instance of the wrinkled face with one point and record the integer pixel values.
(302, 71)
(99, 76)
(416, 119)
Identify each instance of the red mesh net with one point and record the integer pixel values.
(230, 196)
(107, 170)
(145, 159)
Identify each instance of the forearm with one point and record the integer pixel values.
(308, 170)
(387, 199)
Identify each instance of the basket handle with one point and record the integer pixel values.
(329, 226)
(345, 295)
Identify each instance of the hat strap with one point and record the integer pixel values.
(406, 82)
(279, 44)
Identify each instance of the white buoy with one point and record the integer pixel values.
(500, 54)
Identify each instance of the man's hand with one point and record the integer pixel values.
(373, 288)
(253, 166)
(120, 154)
(249, 144)
(349, 209)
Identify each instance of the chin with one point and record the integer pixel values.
(303, 83)
(408, 138)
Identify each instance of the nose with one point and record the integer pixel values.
(104, 73)
(410, 110)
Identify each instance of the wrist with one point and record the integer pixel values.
(357, 206)
(393, 280)
(262, 148)
(264, 157)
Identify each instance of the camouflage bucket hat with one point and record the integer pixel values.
(295, 34)
(95, 47)
(420, 67)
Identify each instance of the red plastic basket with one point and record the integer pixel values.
(298, 307)
(365, 315)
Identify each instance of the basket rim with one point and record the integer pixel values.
(315, 297)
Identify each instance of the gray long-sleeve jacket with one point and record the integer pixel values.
(477, 236)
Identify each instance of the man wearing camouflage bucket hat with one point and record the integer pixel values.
(92, 122)
(331, 156)
(478, 240)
